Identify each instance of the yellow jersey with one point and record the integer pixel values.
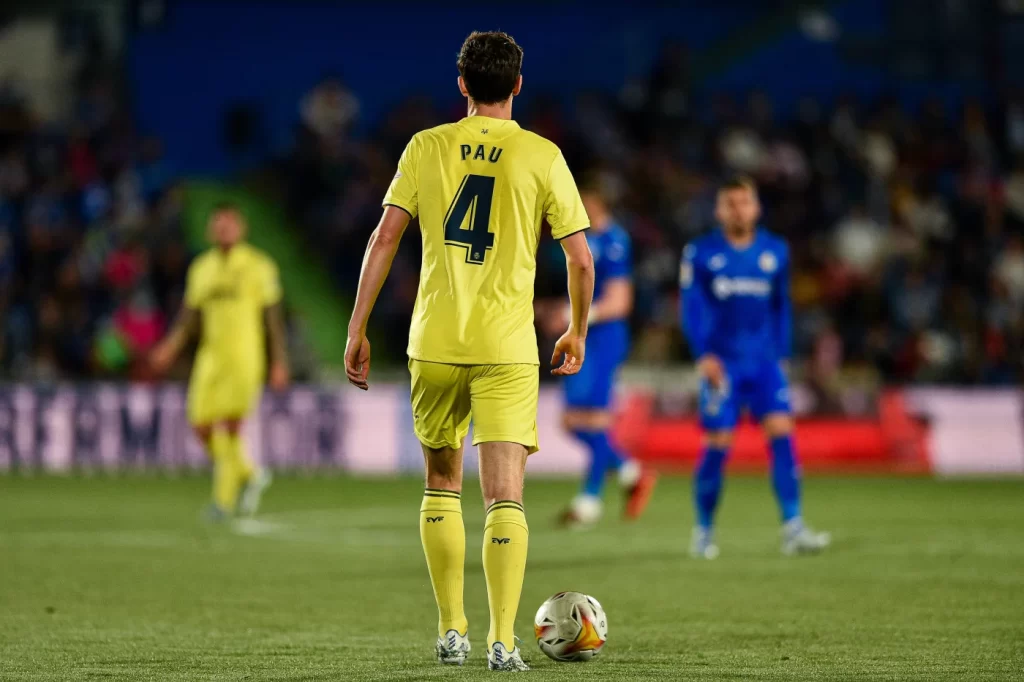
(481, 188)
(230, 290)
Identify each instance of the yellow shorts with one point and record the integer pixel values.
(502, 400)
(217, 392)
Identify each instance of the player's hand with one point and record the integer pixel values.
(161, 358)
(279, 376)
(357, 360)
(573, 347)
(710, 367)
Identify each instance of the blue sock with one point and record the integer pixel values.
(707, 484)
(786, 477)
(603, 457)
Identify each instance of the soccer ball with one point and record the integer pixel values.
(570, 627)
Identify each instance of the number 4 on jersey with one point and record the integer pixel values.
(474, 200)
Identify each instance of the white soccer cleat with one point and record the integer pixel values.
(453, 648)
(584, 511)
(702, 544)
(501, 659)
(799, 539)
(253, 493)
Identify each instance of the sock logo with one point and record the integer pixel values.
(501, 541)
(434, 519)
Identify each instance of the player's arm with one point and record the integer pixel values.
(564, 211)
(401, 203)
(580, 264)
(273, 319)
(616, 302)
(782, 307)
(277, 340)
(380, 253)
(184, 329)
(695, 315)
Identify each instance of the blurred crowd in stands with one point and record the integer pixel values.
(92, 258)
(906, 227)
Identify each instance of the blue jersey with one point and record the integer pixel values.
(607, 341)
(735, 305)
(735, 302)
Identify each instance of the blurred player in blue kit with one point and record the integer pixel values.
(737, 319)
(588, 394)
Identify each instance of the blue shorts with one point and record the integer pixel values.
(591, 387)
(762, 389)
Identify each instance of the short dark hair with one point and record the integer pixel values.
(225, 207)
(595, 184)
(489, 63)
(738, 182)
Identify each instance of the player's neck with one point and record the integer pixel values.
(502, 110)
(740, 240)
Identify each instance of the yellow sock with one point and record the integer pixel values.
(506, 537)
(226, 481)
(240, 456)
(444, 544)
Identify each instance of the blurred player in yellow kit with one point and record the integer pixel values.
(232, 293)
(481, 187)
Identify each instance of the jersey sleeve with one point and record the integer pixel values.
(618, 258)
(194, 286)
(695, 302)
(404, 189)
(782, 307)
(271, 284)
(563, 207)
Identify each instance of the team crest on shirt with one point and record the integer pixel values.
(768, 262)
(716, 262)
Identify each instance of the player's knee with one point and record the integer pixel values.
(204, 432)
(444, 468)
(232, 426)
(720, 440)
(778, 425)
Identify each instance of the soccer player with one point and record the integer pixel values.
(232, 293)
(481, 188)
(737, 319)
(588, 393)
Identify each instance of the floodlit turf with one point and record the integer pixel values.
(118, 579)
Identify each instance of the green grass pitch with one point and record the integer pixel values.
(118, 579)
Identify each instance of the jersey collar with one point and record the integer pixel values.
(488, 122)
(758, 232)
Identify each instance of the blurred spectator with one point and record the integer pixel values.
(1009, 269)
(84, 211)
(329, 109)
